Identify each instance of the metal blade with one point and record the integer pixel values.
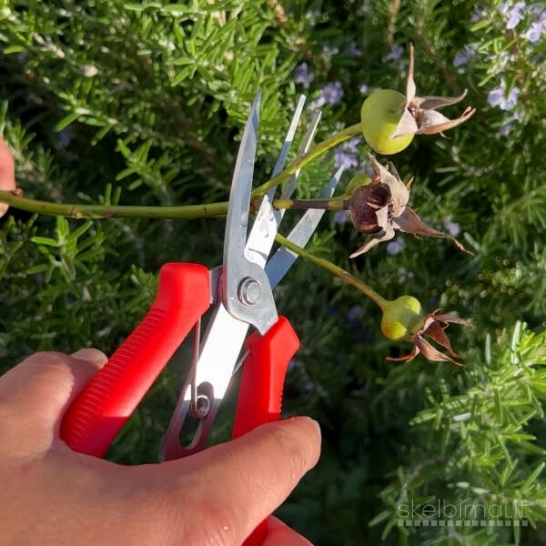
(262, 235)
(304, 147)
(241, 186)
(245, 287)
(288, 139)
(283, 259)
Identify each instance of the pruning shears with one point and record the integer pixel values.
(239, 294)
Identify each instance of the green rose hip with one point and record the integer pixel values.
(380, 115)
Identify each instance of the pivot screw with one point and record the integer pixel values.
(250, 291)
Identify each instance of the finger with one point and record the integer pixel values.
(279, 534)
(7, 173)
(245, 480)
(46, 383)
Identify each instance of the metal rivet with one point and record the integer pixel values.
(200, 406)
(250, 291)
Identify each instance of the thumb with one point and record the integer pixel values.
(7, 173)
(37, 392)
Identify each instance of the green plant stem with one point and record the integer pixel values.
(335, 203)
(189, 212)
(112, 211)
(301, 161)
(335, 270)
(185, 211)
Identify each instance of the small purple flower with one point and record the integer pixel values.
(340, 217)
(65, 136)
(344, 159)
(506, 128)
(537, 29)
(363, 88)
(497, 97)
(332, 92)
(302, 75)
(452, 227)
(464, 56)
(346, 156)
(514, 14)
(396, 247)
(395, 53)
(353, 51)
(354, 313)
(352, 145)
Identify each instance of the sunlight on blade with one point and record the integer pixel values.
(266, 225)
(281, 160)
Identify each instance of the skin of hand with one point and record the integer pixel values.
(7, 173)
(51, 495)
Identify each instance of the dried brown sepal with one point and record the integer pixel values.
(420, 116)
(409, 222)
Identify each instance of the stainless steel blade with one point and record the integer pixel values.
(283, 259)
(267, 222)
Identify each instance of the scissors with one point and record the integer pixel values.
(239, 293)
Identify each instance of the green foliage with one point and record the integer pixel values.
(142, 103)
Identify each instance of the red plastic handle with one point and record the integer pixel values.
(262, 381)
(103, 407)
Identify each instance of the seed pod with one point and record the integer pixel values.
(380, 114)
(402, 318)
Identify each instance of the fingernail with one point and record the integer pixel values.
(91, 355)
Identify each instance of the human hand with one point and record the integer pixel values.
(7, 173)
(51, 495)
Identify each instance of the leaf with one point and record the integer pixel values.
(66, 121)
(176, 9)
(45, 241)
(14, 49)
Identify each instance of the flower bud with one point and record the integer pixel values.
(402, 317)
(380, 115)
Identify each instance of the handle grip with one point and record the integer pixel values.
(103, 407)
(260, 394)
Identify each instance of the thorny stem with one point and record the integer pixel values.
(334, 269)
(79, 211)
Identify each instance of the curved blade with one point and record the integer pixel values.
(245, 287)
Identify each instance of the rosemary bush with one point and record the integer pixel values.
(113, 102)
